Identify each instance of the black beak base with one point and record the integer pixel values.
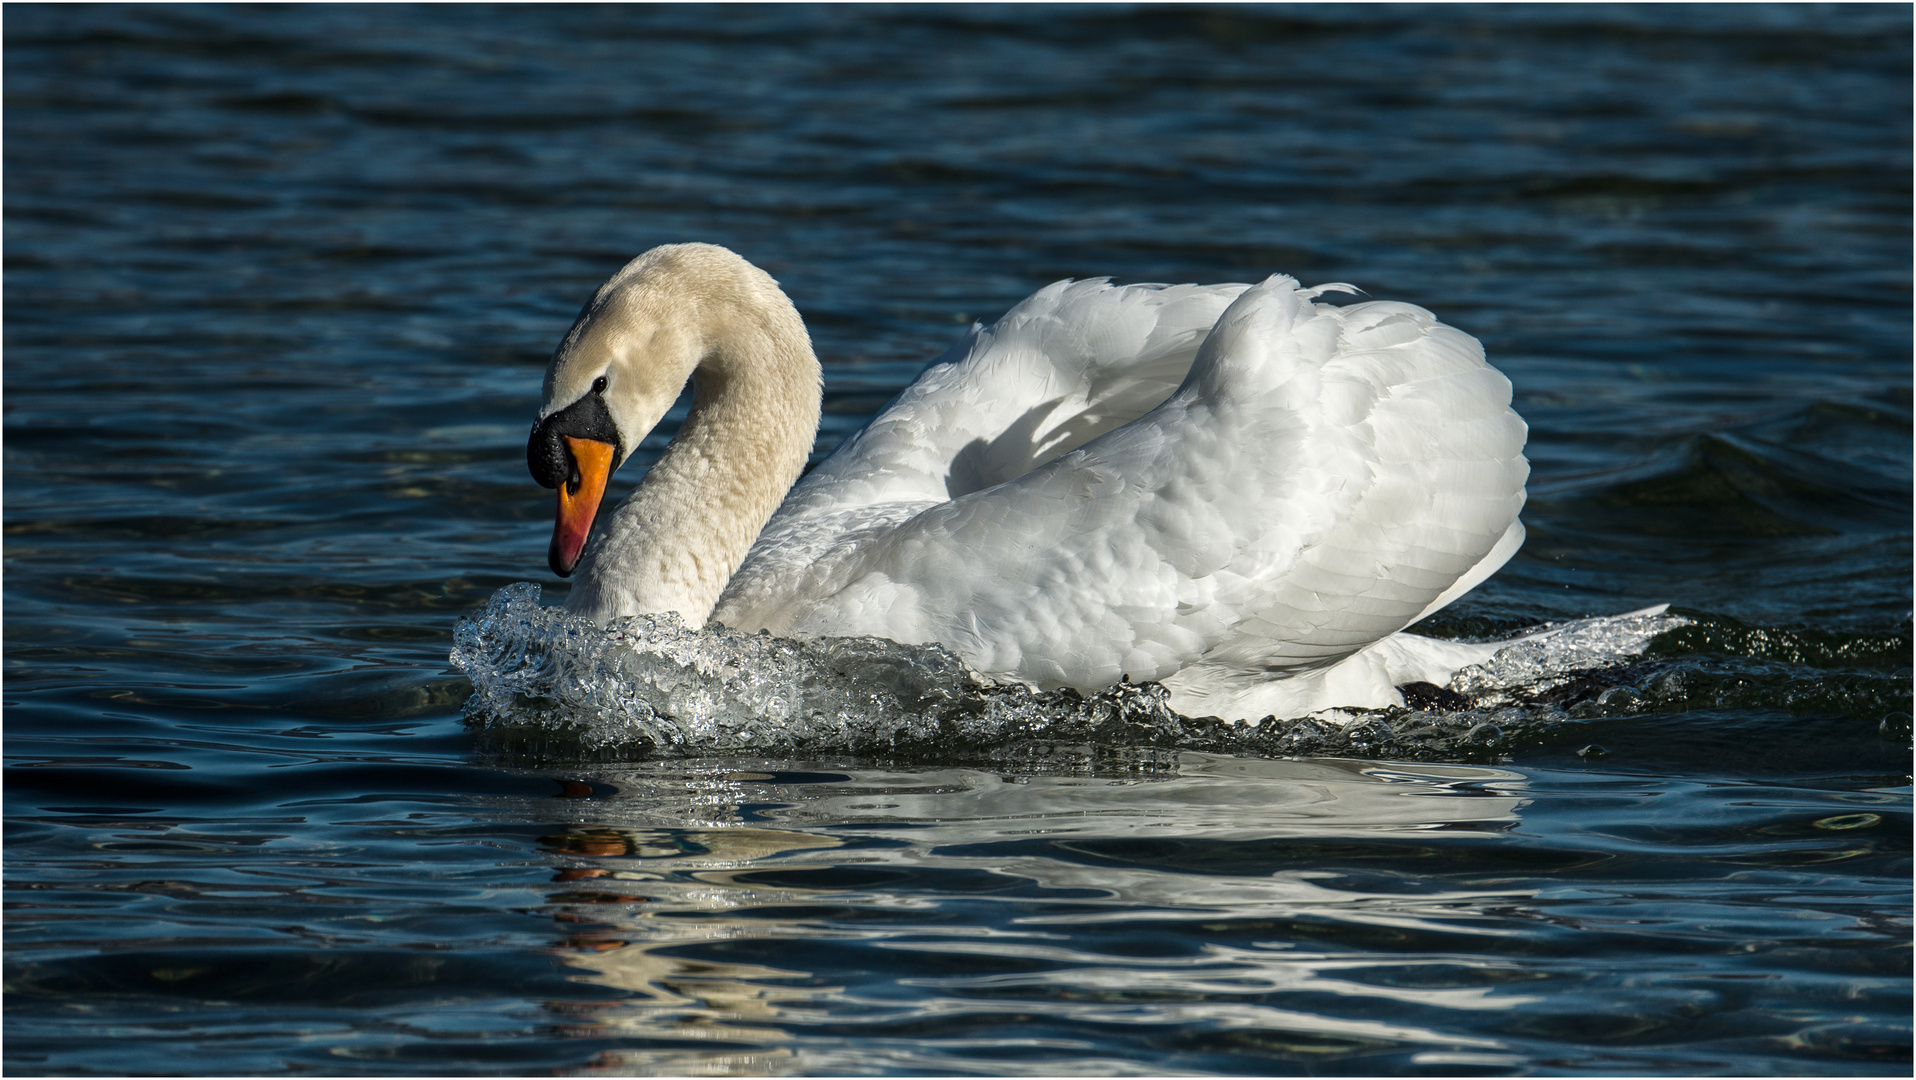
(586, 418)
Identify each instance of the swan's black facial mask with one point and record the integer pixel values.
(586, 418)
(574, 450)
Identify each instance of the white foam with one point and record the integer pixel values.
(1548, 656)
(652, 684)
(714, 690)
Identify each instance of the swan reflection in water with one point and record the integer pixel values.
(748, 917)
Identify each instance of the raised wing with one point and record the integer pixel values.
(1070, 362)
(1321, 478)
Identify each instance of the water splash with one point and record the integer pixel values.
(1553, 656)
(548, 683)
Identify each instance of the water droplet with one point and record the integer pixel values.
(1894, 726)
(1370, 734)
(1668, 686)
(1621, 699)
(1485, 734)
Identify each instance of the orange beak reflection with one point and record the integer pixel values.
(579, 501)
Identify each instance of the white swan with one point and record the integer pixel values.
(1228, 488)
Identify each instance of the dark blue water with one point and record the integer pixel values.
(279, 287)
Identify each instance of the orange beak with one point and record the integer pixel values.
(579, 501)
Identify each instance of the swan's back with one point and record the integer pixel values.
(1069, 363)
(1084, 493)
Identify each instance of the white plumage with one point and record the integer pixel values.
(1235, 490)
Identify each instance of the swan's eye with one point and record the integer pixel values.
(598, 385)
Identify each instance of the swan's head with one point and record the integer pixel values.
(624, 363)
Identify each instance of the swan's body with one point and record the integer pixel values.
(1231, 489)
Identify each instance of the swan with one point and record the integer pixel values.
(1234, 490)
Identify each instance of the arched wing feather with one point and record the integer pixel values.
(1321, 478)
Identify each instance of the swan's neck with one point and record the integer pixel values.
(675, 543)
